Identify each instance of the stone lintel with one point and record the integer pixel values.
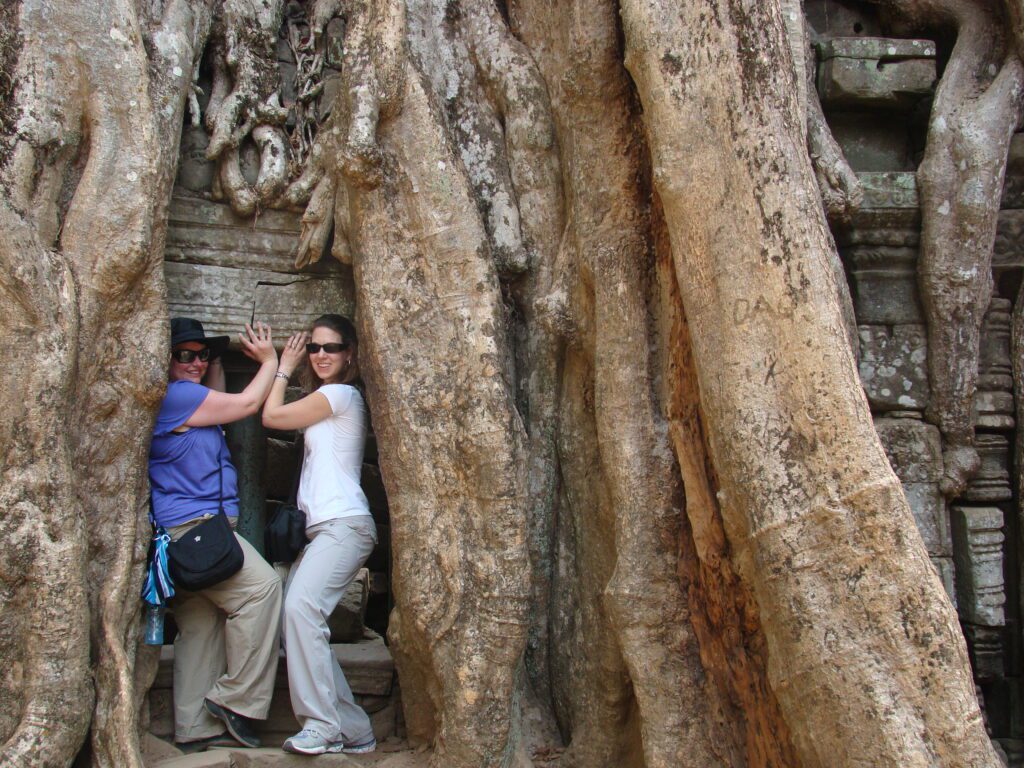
(876, 48)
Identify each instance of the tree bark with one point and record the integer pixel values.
(86, 187)
(820, 542)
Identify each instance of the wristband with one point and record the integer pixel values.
(282, 375)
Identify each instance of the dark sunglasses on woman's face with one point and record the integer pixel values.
(188, 355)
(330, 348)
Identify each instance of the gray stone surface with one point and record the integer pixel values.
(888, 215)
(978, 554)
(883, 285)
(993, 399)
(876, 48)
(346, 622)
(195, 172)
(1008, 251)
(930, 514)
(1013, 184)
(866, 72)
(987, 649)
(914, 449)
(870, 144)
(992, 481)
(225, 298)
(369, 669)
(893, 366)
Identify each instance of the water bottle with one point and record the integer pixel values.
(154, 625)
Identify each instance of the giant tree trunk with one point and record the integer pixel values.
(816, 518)
(88, 168)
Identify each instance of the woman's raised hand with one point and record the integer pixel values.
(293, 352)
(257, 343)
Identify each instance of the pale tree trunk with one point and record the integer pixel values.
(627, 566)
(864, 651)
(86, 184)
(452, 447)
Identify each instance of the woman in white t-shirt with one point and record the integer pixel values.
(339, 528)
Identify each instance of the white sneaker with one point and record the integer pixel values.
(309, 742)
(369, 745)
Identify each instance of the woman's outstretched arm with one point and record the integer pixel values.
(224, 408)
(302, 413)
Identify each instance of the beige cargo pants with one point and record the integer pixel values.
(321, 698)
(227, 645)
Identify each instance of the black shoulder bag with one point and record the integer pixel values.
(285, 534)
(207, 554)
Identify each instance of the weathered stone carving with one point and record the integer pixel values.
(993, 399)
(988, 651)
(992, 481)
(884, 285)
(875, 72)
(978, 553)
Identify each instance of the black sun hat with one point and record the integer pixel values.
(186, 329)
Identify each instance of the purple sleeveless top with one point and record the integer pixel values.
(183, 466)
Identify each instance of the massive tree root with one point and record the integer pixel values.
(856, 622)
(450, 443)
(976, 109)
(75, 481)
(244, 102)
(637, 626)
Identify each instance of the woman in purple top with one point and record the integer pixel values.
(225, 653)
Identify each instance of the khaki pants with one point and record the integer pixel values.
(226, 649)
(321, 698)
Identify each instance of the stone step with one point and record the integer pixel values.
(368, 667)
(218, 757)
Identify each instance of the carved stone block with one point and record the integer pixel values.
(224, 298)
(993, 399)
(1008, 251)
(992, 482)
(870, 144)
(893, 366)
(889, 213)
(1013, 185)
(883, 285)
(978, 554)
(875, 72)
(195, 172)
(914, 449)
(346, 622)
(203, 232)
(986, 646)
(929, 508)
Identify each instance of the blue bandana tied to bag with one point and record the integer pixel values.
(158, 587)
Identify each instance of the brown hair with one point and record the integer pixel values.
(342, 326)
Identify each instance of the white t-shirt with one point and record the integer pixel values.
(329, 486)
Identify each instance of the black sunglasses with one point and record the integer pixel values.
(330, 348)
(188, 355)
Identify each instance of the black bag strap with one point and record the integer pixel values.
(300, 441)
(220, 478)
